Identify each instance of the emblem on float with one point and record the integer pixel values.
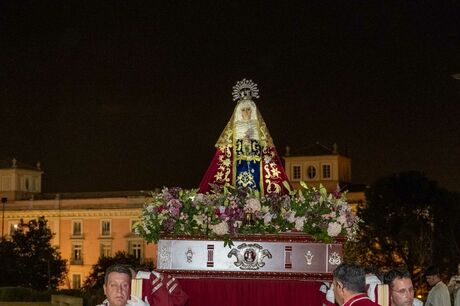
(249, 256)
(309, 257)
(165, 256)
(335, 259)
(189, 255)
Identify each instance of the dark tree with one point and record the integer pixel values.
(407, 220)
(95, 279)
(39, 265)
(8, 264)
(446, 246)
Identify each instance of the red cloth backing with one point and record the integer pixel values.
(241, 292)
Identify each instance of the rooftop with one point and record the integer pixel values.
(14, 163)
(316, 149)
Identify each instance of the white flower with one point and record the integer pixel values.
(299, 223)
(334, 229)
(301, 198)
(199, 219)
(198, 198)
(146, 229)
(220, 228)
(349, 232)
(290, 217)
(252, 205)
(268, 218)
(162, 216)
(342, 219)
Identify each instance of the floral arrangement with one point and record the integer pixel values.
(227, 212)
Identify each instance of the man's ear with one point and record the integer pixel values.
(340, 286)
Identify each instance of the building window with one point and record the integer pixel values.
(106, 249)
(76, 281)
(36, 185)
(135, 248)
(6, 183)
(105, 227)
(296, 173)
(133, 226)
(13, 228)
(311, 172)
(326, 171)
(77, 228)
(77, 258)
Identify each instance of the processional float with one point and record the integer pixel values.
(244, 221)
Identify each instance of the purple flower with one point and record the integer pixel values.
(174, 207)
(174, 191)
(174, 211)
(174, 203)
(170, 193)
(168, 224)
(337, 194)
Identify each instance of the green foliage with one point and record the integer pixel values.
(29, 260)
(408, 221)
(8, 264)
(21, 294)
(95, 280)
(92, 297)
(70, 292)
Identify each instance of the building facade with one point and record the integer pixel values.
(86, 226)
(320, 165)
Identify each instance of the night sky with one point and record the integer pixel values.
(126, 95)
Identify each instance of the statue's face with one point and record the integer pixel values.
(246, 113)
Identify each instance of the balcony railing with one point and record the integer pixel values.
(76, 236)
(74, 261)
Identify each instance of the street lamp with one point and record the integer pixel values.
(4, 200)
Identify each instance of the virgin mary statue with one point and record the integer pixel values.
(246, 157)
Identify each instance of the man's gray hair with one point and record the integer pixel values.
(125, 269)
(352, 277)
